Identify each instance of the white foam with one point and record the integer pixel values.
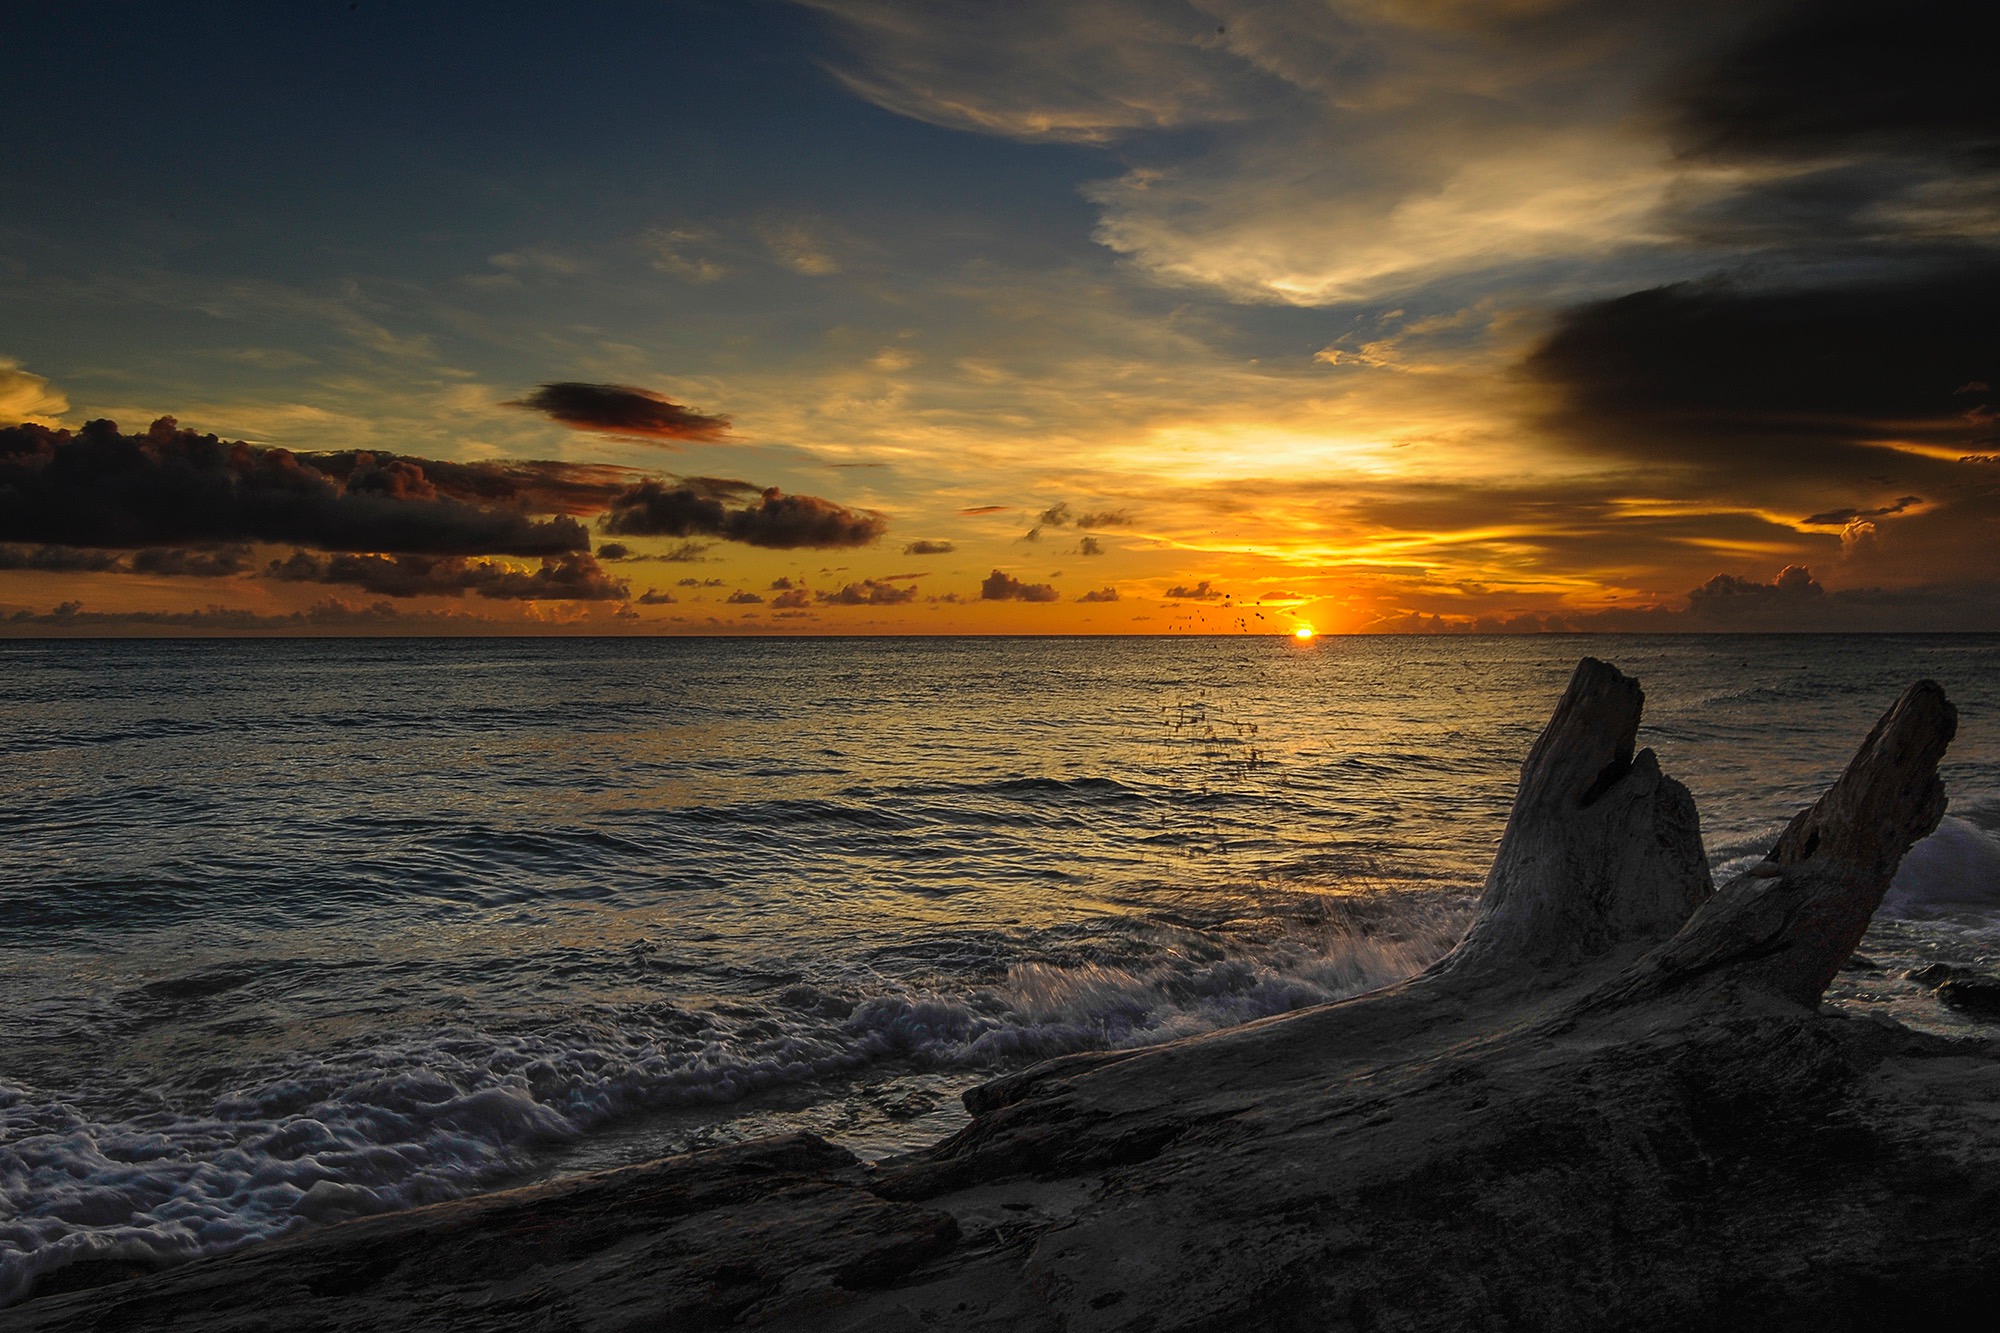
(1955, 869)
(442, 1114)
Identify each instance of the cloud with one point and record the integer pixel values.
(1105, 518)
(1100, 595)
(61, 559)
(924, 546)
(741, 597)
(681, 553)
(1200, 592)
(654, 597)
(1355, 151)
(799, 246)
(1043, 70)
(573, 576)
(1831, 379)
(1837, 518)
(1001, 587)
(1840, 77)
(1794, 601)
(541, 486)
(1726, 597)
(695, 507)
(791, 599)
(201, 563)
(331, 613)
(984, 509)
(620, 409)
(871, 592)
(1060, 515)
(1090, 546)
(26, 397)
(676, 250)
(1346, 149)
(170, 487)
(156, 561)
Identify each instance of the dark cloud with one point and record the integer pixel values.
(170, 487)
(332, 613)
(620, 409)
(1000, 587)
(1793, 602)
(1868, 212)
(1728, 598)
(681, 553)
(1105, 518)
(792, 599)
(1090, 546)
(697, 507)
(1866, 151)
(1846, 76)
(871, 592)
(926, 547)
(1200, 592)
(570, 577)
(654, 597)
(1750, 378)
(203, 563)
(61, 559)
(538, 486)
(1060, 515)
(1101, 595)
(743, 598)
(159, 561)
(984, 509)
(1867, 126)
(1837, 518)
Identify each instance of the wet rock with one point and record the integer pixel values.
(1934, 975)
(1978, 997)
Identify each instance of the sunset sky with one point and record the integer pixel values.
(952, 316)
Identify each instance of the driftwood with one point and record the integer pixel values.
(1615, 1105)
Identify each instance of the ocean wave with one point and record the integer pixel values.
(1955, 869)
(442, 1114)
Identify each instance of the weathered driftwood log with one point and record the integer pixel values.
(1615, 1105)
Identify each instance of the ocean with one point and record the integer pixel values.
(296, 930)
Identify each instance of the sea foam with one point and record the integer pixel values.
(442, 1114)
(1955, 869)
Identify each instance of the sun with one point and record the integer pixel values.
(1303, 632)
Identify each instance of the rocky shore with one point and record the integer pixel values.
(1616, 1104)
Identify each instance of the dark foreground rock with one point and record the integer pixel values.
(1615, 1105)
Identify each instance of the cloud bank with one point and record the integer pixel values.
(98, 487)
(699, 507)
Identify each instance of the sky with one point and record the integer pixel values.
(946, 316)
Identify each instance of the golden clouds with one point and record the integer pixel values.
(28, 397)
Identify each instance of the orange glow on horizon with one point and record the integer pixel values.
(1303, 633)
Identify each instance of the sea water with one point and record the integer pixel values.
(300, 930)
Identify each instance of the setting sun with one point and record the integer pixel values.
(1303, 632)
